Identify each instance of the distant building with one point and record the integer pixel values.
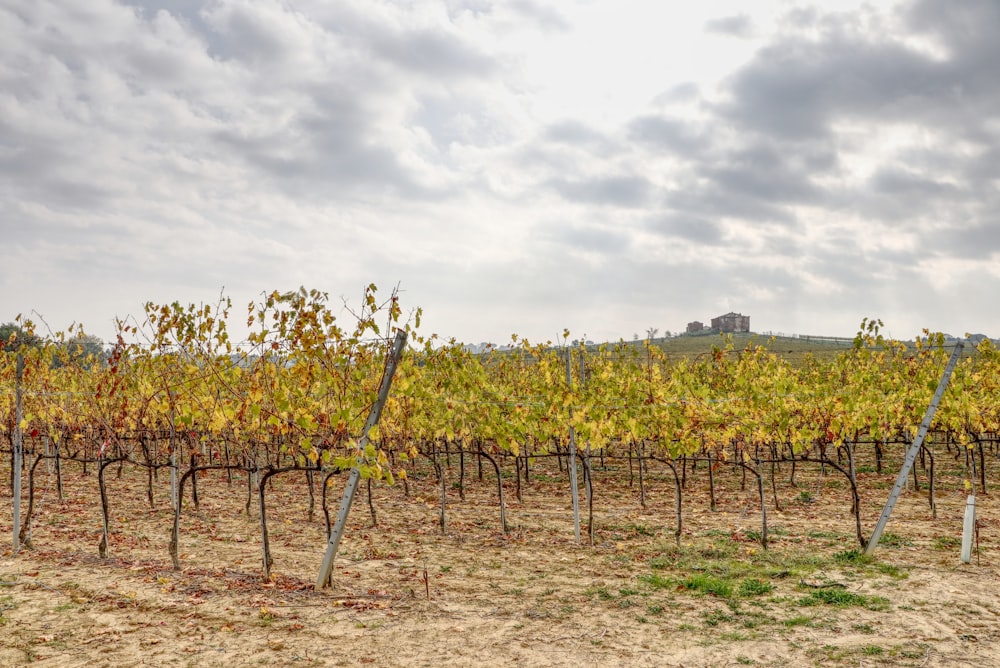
(695, 327)
(731, 322)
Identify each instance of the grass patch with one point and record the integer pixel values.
(6, 603)
(852, 557)
(753, 587)
(640, 529)
(841, 598)
(892, 571)
(708, 584)
(716, 617)
(601, 593)
(798, 620)
(895, 540)
(946, 543)
(831, 535)
(657, 581)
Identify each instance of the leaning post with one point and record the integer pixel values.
(573, 484)
(911, 453)
(18, 450)
(352, 482)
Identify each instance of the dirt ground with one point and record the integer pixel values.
(405, 594)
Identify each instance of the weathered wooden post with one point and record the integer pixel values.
(352, 482)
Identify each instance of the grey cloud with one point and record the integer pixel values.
(801, 17)
(545, 16)
(690, 228)
(323, 155)
(539, 14)
(474, 7)
(565, 145)
(982, 168)
(967, 26)
(125, 139)
(903, 183)
(587, 238)
(624, 191)
(795, 89)
(431, 53)
(685, 92)
(243, 32)
(739, 25)
(187, 9)
(758, 182)
(973, 241)
(713, 201)
(571, 131)
(667, 133)
(450, 117)
(767, 173)
(40, 170)
(187, 12)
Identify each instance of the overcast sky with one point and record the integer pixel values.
(515, 166)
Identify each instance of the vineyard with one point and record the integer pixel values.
(559, 486)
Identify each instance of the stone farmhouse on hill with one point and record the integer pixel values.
(695, 327)
(728, 323)
(731, 322)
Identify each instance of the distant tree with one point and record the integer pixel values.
(651, 333)
(84, 347)
(13, 337)
(635, 337)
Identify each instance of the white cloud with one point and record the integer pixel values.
(607, 167)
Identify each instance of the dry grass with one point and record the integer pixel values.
(405, 594)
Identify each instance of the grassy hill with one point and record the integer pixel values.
(792, 349)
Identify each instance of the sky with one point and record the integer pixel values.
(514, 167)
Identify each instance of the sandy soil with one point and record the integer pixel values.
(405, 594)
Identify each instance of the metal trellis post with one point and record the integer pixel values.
(911, 453)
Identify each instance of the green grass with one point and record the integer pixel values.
(946, 543)
(852, 557)
(798, 620)
(893, 540)
(657, 581)
(6, 603)
(841, 598)
(756, 592)
(754, 587)
(792, 350)
(708, 584)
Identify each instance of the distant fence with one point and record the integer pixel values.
(842, 340)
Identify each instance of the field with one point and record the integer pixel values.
(792, 350)
(404, 594)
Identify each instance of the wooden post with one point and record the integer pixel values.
(352, 482)
(911, 453)
(174, 500)
(573, 486)
(18, 450)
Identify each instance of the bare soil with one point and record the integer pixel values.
(406, 594)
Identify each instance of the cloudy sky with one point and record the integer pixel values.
(522, 166)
